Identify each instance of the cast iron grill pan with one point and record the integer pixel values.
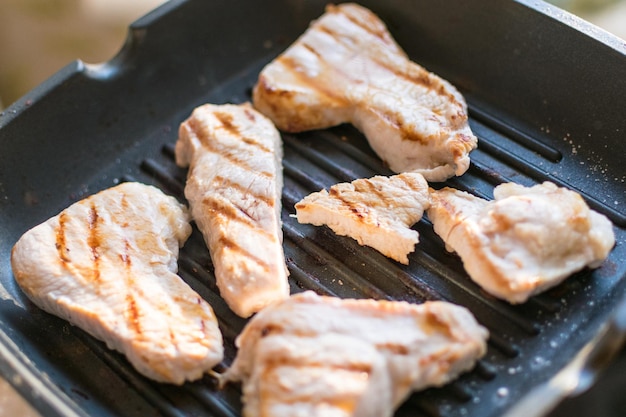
(91, 127)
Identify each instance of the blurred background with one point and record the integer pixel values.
(39, 37)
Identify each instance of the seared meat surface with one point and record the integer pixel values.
(526, 240)
(311, 355)
(108, 264)
(347, 68)
(377, 212)
(234, 187)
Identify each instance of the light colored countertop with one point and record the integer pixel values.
(12, 404)
(612, 18)
(39, 38)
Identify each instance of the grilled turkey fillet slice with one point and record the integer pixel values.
(323, 356)
(377, 212)
(108, 264)
(234, 187)
(347, 68)
(525, 241)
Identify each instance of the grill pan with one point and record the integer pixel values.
(546, 99)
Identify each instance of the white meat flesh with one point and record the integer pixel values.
(312, 355)
(526, 240)
(108, 265)
(377, 212)
(234, 186)
(347, 68)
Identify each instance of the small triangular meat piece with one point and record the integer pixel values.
(377, 212)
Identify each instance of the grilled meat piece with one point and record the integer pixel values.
(108, 264)
(346, 68)
(234, 187)
(324, 356)
(377, 212)
(523, 242)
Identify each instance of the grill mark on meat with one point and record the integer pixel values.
(392, 119)
(250, 115)
(61, 244)
(293, 66)
(340, 39)
(132, 314)
(225, 242)
(233, 146)
(433, 324)
(125, 256)
(229, 212)
(231, 156)
(224, 208)
(93, 241)
(227, 183)
(270, 89)
(459, 152)
(271, 328)
(227, 122)
(422, 77)
(202, 323)
(430, 83)
(413, 137)
(124, 202)
(409, 181)
(283, 360)
(256, 144)
(227, 153)
(394, 348)
(311, 50)
(369, 187)
(418, 77)
(380, 34)
(244, 210)
(275, 329)
(347, 404)
(358, 209)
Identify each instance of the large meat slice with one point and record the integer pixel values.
(377, 212)
(234, 187)
(108, 264)
(346, 68)
(525, 241)
(323, 356)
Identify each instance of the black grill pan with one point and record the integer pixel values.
(546, 94)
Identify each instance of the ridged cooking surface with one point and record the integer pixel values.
(334, 265)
